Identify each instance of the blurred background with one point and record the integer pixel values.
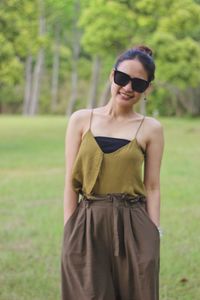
(56, 55)
(55, 58)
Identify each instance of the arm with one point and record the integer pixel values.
(154, 152)
(72, 144)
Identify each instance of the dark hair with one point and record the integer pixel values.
(144, 55)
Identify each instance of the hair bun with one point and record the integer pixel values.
(144, 49)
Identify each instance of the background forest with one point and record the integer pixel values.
(56, 55)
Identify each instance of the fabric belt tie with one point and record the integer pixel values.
(116, 199)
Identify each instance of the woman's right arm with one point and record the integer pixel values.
(72, 144)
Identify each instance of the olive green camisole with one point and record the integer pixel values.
(96, 172)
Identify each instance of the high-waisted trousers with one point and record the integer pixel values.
(110, 250)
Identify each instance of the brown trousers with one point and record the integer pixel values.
(110, 251)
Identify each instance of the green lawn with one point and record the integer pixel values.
(31, 208)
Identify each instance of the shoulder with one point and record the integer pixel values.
(153, 124)
(80, 114)
(153, 129)
(80, 118)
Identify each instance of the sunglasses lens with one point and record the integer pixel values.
(121, 78)
(139, 85)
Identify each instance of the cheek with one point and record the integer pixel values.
(138, 95)
(114, 88)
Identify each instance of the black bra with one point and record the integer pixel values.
(109, 144)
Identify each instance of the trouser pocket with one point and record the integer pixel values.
(151, 223)
(73, 238)
(71, 216)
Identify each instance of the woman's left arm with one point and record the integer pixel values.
(154, 153)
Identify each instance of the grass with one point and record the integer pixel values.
(31, 207)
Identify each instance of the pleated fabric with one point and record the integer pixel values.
(110, 250)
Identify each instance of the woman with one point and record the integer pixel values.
(111, 240)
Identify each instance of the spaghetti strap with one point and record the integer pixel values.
(91, 118)
(139, 127)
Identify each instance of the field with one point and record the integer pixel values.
(31, 208)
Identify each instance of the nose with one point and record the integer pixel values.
(128, 87)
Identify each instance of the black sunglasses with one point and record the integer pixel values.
(139, 85)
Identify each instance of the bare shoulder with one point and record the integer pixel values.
(153, 129)
(80, 118)
(80, 114)
(153, 124)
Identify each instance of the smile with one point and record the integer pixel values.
(125, 96)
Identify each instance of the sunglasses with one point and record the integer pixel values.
(139, 85)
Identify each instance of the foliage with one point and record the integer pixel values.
(105, 30)
(170, 27)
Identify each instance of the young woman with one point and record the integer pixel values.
(111, 241)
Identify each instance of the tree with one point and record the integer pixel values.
(174, 37)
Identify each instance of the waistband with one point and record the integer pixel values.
(125, 198)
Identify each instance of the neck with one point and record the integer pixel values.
(119, 112)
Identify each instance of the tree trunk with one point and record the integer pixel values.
(189, 100)
(105, 94)
(196, 97)
(92, 99)
(186, 101)
(75, 56)
(55, 71)
(37, 74)
(28, 80)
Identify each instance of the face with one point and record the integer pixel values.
(125, 95)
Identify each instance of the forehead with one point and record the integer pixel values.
(133, 68)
